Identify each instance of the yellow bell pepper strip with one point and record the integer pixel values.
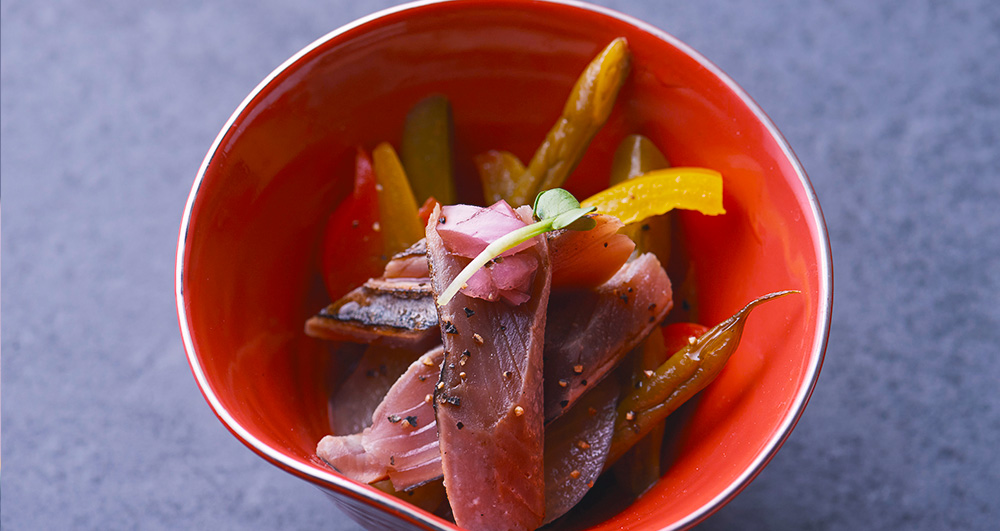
(678, 379)
(660, 191)
(426, 149)
(586, 110)
(498, 171)
(399, 220)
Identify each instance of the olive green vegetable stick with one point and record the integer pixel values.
(586, 110)
(426, 150)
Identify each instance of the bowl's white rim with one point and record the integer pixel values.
(339, 483)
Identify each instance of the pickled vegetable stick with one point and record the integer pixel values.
(426, 149)
(498, 171)
(398, 216)
(586, 110)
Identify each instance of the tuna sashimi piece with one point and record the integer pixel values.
(467, 230)
(590, 331)
(588, 258)
(489, 400)
(347, 454)
(403, 435)
(411, 263)
(401, 443)
(576, 448)
(362, 392)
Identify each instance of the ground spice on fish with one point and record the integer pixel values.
(449, 328)
(469, 312)
(575, 474)
(412, 420)
(459, 425)
(583, 445)
(518, 411)
(563, 383)
(478, 339)
(578, 369)
(394, 418)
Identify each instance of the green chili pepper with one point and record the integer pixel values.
(586, 110)
(426, 150)
(681, 377)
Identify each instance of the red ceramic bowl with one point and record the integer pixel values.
(247, 263)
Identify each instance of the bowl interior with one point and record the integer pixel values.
(249, 270)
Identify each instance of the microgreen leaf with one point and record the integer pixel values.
(554, 209)
(551, 203)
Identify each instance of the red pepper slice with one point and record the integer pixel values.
(426, 209)
(352, 245)
(679, 335)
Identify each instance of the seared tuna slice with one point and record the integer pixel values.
(489, 399)
(362, 392)
(401, 443)
(576, 448)
(590, 331)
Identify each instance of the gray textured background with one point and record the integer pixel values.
(108, 108)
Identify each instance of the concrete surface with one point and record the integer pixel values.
(108, 108)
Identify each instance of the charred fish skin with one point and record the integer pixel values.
(590, 331)
(396, 313)
(489, 398)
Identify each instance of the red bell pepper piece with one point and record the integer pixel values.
(426, 209)
(352, 245)
(678, 335)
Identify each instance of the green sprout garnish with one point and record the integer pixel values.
(554, 209)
